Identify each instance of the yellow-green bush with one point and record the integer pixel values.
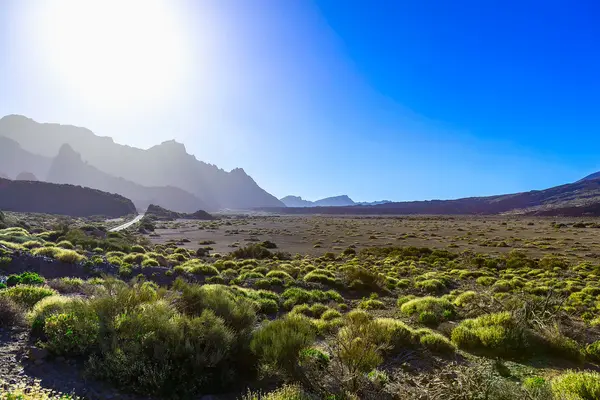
(11, 313)
(27, 295)
(277, 343)
(429, 310)
(577, 385)
(288, 392)
(436, 342)
(72, 333)
(496, 333)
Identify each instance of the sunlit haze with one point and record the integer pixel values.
(377, 100)
(116, 56)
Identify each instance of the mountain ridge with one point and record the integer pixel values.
(165, 164)
(334, 201)
(572, 199)
(68, 167)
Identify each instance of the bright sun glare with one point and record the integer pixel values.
(116, 55)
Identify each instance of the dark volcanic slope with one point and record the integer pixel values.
(50, 198)
(579, 198)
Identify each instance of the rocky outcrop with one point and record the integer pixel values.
(26, 176)
(162, 214)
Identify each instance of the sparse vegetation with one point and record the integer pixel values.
(165, 320)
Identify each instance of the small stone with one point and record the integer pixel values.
(35, 353)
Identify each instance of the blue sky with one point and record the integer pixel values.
(380, 99)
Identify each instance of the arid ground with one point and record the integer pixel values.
(577, 238)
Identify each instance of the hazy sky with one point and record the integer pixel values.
(377, 99)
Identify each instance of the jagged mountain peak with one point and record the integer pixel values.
(171, 145)
(66, 151)
(165, 165)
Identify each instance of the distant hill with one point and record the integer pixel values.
(167, 164)
(50, 198)
(160, 213)
(373, 203)
(68, 167)
(573, 199)
(296, 201)
(336, 201)
(15, 160)
(26, 176)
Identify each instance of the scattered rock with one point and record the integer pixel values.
(37, 354)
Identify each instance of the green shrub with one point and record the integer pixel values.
(65, 244)
(318, 277)
(466, 298)
(236, 311)
(277, 344)
(576, 385)
(45, 308)
(371, 304)
(430, 310)
(150, 262)
(72, 333)
(497, 333)
(360, 344)
(252, 251)
(26, 278)
(431, 285)
(592, 351)
(67, 285)
(404, 299)
(295, 295)
(437, 343)
(267, 306)
(288, 392)
(486, 280)
(537, 387)
(314, 357)
(280, 274)
(11, 313)
(394, 333)
(202, 269)
(138, 249)
(362, 279)
(154, 350)
(315, 311)
(27, 295)
(330, 314)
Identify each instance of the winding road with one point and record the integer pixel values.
(127, 224)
